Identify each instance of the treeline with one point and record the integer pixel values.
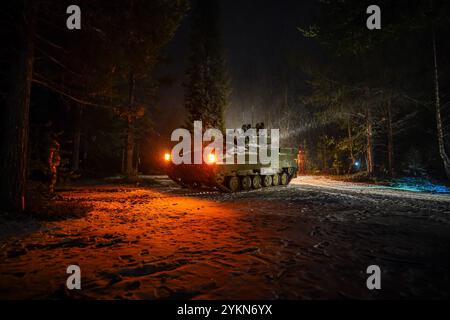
(378, 99)
(207, 88)
(92, 88)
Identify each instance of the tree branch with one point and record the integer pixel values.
(50, 43)
(56, 61)
(70, 96)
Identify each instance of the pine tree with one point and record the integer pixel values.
(146, 26)
(207, 89)
(119, 49)
(15, 114)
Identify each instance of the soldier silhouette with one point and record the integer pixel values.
(54, 160)
(300, 160)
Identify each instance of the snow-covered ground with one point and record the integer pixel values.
(313, 239)
(362, 188)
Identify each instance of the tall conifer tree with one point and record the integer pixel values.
(207, 89)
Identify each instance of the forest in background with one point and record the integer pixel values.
(354, 100)
(376, 101)
(91, 89)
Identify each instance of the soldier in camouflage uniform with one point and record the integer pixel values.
(54, 160)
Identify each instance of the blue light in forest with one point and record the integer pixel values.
(419, 185)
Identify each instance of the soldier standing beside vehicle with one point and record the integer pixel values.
(54, 160)
(300, 160)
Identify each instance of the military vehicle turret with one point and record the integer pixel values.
(235, 177)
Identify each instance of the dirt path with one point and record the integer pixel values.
(312, 239)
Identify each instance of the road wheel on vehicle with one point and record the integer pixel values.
(246, 183)
(233, 184)
(182, 183)
(220, 180)
(267, 181)
(284, 179)
(256, 182)
(195, 185)
(276, 179)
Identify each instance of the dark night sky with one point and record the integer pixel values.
(256, 35)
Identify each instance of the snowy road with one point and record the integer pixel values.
(339, 187)
(313, 239)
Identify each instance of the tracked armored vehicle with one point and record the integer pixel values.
(235, 177)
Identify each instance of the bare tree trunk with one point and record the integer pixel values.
(325, 159)
(13, 163)
(350, 142)
(123, 161)
(138, 158)
(85, 145)
(77, 140)
(76, 149)
(390, 138)
(369, 136)
(440, 131)
(130, 127)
